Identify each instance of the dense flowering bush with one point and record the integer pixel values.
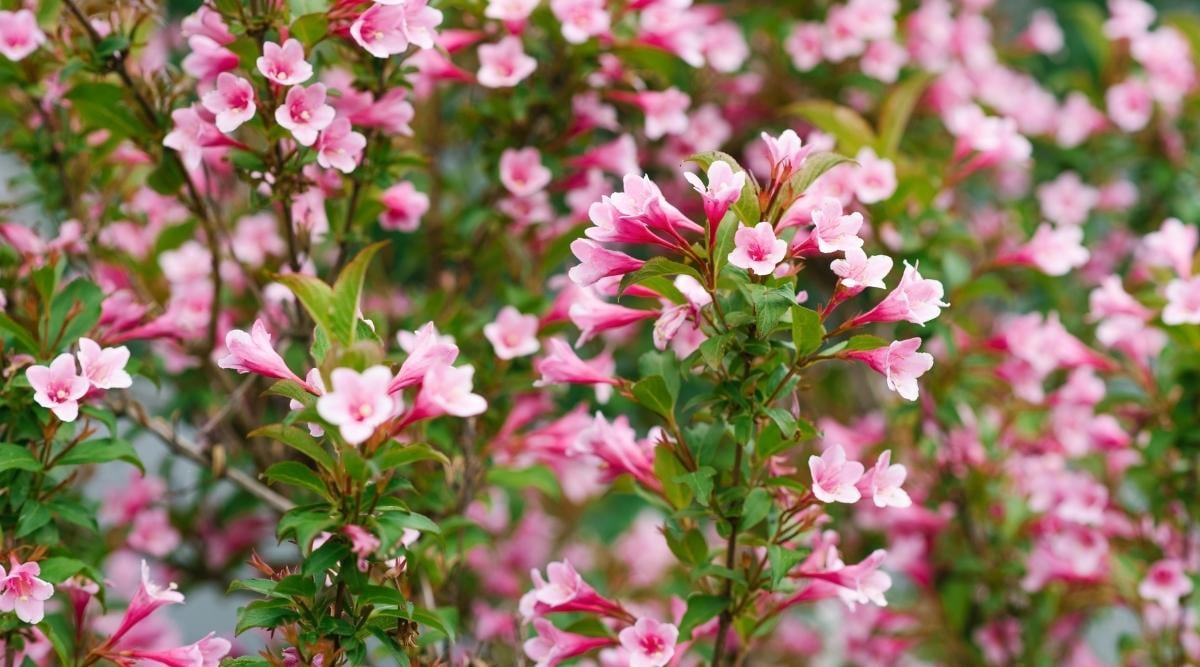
(624, 333)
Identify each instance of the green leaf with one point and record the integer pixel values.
(713, 349)
(701, 481)
(310, 29)
(652, 393)
(303, 7)
(865, 342)
(397, 454)
(16, 457)
(326, 556)
(264, 614)
(346, 293)
(111, 45)
(896, 110)
(58, 569)
(815, 166)
(700, 608)
(74, 311)
(769, 306)
(304, 523)
(20, 334)
(167, 177)
(33, 516)
(755, 508)
(534, 477)
(850, 129)
(297, 474)
(669, 471)
(59, 631)
(782, 562)
(290, 389)
(655, 267)
(432, 619)
(397, 520)
(807, 330)
(314, 295)
(103, 107)
(297, 439)
(104, 450)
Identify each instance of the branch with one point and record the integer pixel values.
(196, 453)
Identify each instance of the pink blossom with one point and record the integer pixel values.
(152, 533)
(899, 362)
(1128, 19)
(191, 133)
(419, 21)
(1165, 583)
(358, 402)
(208, 59)
(104, 368)
(724, 188)
(561, 365)
(787, 153)
(915, 299)
(253, 353)
(24, 592)
(403, 206)
(284, 65)
(362, 542)
(1067, 200)
(19, 34)
(339, 147)
(593, 315)
(665, 111)
(1130, 104)
(232, 101)
(380, 30)
(148, 599)
(552, 646)
(209, 23)
(1183, 301)
(756, 249)
(725, 48)
(1173, 245)
(522, 172)
(857, 271)
(833, 231)
(305, 113)
(504, 64)
(426, 349)
(1077, 120)
(206, 652)
(513, 12)
(883, 60)
(446, 390)
(581, 19)
(392, 113)
(1043, 33)
(58, 387)
(884, 481)
(804, 44)
(255, 238)
(834, 478)
(597, 262)
(1054, 250)
(512, 334)
(874, 179)
(649, 642)
(616, 445)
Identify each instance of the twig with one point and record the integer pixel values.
(195, 453)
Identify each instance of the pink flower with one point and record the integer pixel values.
(597, 262)
(552, 646)
(563, 590)
(504, 64)
(446, 390)
(804, 43)
(899, 363)
(883, 60)
(581, 19)
(206, 652)
(1173, 245)
(1183, 302)
(358, 402)
(252, 353)
(593, 315)
(650, 643)
(104, 368)
(665, 111)
(1130, 104)
(58, 387)
(834, 478)
(284, 65)
(146, 601)
(362, 542)
(1128, 19)
(152, 533)
(1055, 251)
(1165, 583)
(874, 179)
(561, 365)
(232, 101)
(403, 206)
(339, 147)
(191, 133)
(1043, 34)
(24, 592)
(1067, 199)
(256, 238)
(832, 230)
(19, 34)
(208, 58)
(512, 12)
(426, 349)
(522, 172)
(512, 334)
(756, 249)
(380, 30)
(857, 271)
(915, 299)
(305, 113)
(418, 21)
(787, 153)
(884, 482)
(723, 190)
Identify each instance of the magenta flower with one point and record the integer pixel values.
(358, 402)
(723, 190)
(19, 34)
(305, 113)
(597, 262)
(649, 642)
(884, 482)
(403, 206)
(593, 315)
(787, 153)
(561, 365)
(232, 101)
(756, 249)
(58, 387)
(146, 601)
(206, 652)
(426, 349)
(564, 590)
(834, 478)
(512, 334)
(915, 300)
(504, 64)
(553, 646)
(24, 592)
(363, 543)
(104, 368)
(253, 353)
(899, 362)
(522, 172)
(284, 65)
(339, 147)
